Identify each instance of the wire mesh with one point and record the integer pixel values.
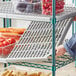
(7, 11)
(60, 62)
(36, 42)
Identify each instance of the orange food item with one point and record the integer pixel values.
(11, 35)
(17, 30)
(4, 30)
(13, 30)
(33, 74)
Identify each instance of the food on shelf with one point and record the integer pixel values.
(17, 30)
(6, 45)
(12, 30)
(27, 6)
(11, 35)
(22, 73)
(47, 6)
(16, 70)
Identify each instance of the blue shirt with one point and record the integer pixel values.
(70, 46)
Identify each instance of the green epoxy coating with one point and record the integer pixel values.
(75, 32)
(53, 37)
(59, 63)
(3, 20)
(8, 21)
(72, 28)
(72, 1)
(5, 64)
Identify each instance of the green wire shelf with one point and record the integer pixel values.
(60, 62)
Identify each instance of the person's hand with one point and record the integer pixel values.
(60, 50)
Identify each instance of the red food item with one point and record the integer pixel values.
(47, 7)
(6, 51)
(6, 45)
(2, 39)
(10, 40)
(1, 48)
(12, 30)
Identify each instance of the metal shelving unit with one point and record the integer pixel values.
(36, 43)
(7, 11)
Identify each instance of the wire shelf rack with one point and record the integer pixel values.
(7, 11)
(60, 62)
(35, 43)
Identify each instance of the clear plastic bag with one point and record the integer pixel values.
(27, 6)
(47, 7)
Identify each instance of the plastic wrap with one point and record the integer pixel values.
(27, 6)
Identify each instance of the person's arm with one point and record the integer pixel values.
(69, 46)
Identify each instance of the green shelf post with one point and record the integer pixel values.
(75, 32)
(72, 27)
(9, 64)
(72, 1)
(53, 37)
(5, 64)
(6, 22)
(72, 23)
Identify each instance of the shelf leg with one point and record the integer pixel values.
(75, 32)
(72, 27)
(6, 22)
(72, 1)
(8, 64)
(72, 34)
(4, 25)
(5, 64)
(53, 37)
